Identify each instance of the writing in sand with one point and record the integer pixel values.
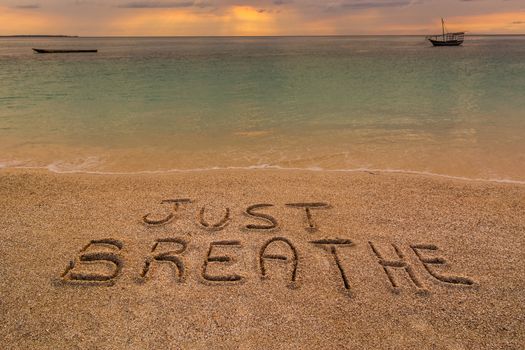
(101, 261)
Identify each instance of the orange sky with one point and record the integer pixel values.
(258, 17)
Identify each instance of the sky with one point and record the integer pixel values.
(258, 17)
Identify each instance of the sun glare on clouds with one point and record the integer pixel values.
(237, 20)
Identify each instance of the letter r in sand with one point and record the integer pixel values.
(167, 256)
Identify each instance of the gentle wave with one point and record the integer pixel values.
(55, 168)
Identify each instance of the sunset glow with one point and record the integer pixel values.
(278, 17)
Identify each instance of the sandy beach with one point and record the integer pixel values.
(260, 259)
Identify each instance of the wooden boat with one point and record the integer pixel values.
(62, 51)
(447, 39)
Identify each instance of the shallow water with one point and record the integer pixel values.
(156, 104)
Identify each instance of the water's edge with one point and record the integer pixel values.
(263, 167)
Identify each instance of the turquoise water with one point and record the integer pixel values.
(157, 104)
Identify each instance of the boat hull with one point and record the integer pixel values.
(62, 51)
(446, 43)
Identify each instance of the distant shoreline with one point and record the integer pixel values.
(39, 36)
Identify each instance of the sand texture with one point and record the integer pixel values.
(260, 259)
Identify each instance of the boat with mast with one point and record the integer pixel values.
(447, 39)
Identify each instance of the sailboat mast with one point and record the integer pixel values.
(443, 26)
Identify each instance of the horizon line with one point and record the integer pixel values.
(65, 36)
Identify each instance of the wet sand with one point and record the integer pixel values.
(276, 259)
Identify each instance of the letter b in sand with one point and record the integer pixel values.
(99, 263)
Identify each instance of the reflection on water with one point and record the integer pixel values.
(332, 103)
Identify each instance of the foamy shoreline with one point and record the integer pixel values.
(53, 169)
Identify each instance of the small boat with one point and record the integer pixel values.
(62, 51)
(447, 39)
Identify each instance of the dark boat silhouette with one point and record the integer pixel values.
(62, 51)
(447, 39)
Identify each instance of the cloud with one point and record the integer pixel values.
(163, 4)
(27, 6)
(361, 5)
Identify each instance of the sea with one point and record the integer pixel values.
(342, 103)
